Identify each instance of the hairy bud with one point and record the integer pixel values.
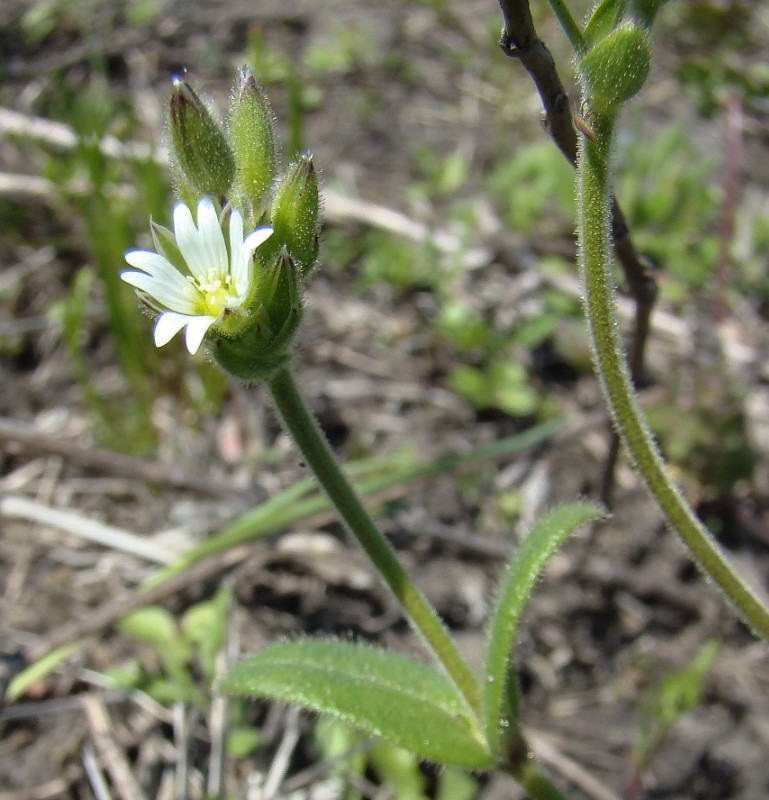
(252, 138)
(294, 213)
(202, 154)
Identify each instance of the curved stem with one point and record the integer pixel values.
(533, 781)
(309, 439)
(593, 230)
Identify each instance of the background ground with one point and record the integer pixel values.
(406, 344)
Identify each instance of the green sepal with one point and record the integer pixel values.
(263, 346)
(201, 153)
(605, 17)
(245, 357)
(294, 214)
(252, 138)
(616, 68)
(165, 244)
(381, 693)
(280, 292)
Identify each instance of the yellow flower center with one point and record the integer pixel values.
(214, 294)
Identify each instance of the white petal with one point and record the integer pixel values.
(196, 330)
(157, 266)
(189, 241)
(175, 295)
(238, 266)
(211, 240)
(149, 262)
(168, 325)
(257, 237)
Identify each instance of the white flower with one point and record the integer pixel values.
(217, 283)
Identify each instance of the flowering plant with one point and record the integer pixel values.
(245, 300)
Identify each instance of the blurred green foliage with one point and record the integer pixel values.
(665, 701)
(399, 772)
(176, 662)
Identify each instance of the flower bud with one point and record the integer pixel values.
(294, 213)
(252, 138)
(202, 155)
(616, 68)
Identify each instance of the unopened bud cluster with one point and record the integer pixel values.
(234, 167)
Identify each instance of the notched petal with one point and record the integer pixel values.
(168, 324)
(196, 331)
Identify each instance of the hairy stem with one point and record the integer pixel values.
(593, 228)
(520, 40)
(309, 439)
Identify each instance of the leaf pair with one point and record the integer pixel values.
(402, 700)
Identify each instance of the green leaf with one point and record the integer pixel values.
(242, 741)
(156, 627)
(513, 593)
(205, 625)
(37, 671)
(381, 693)
(399, 769)
(665, 702)
(151, 625)
(604, 19)
(456, 785)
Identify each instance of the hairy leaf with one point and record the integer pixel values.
(514, 590)
(381, 693)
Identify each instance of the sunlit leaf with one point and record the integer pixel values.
(381, 693)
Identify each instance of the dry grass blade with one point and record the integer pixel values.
(108, 751)
(18, 507)
(570, 769)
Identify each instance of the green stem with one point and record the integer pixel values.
(533, 781)
(569, 25)
(309, 439)
(593, 229)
